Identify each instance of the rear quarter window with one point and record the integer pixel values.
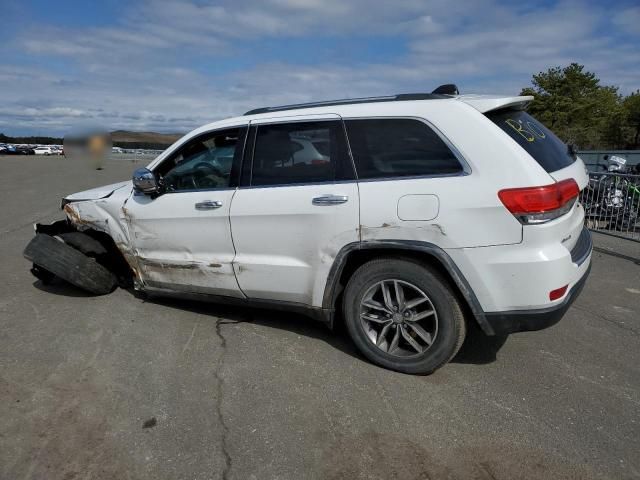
(539, 142)
(398, 148)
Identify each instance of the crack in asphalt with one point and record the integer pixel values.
(600, 316)
(220, 391)
(219, 394)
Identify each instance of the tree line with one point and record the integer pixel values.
(31, 140)
(576, 107)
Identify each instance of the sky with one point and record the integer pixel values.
(171, 66)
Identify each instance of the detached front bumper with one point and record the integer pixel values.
(529, 320)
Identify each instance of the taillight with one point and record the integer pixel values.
(540, 204)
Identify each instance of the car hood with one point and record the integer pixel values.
(99, 192)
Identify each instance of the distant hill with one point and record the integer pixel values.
(123, 136)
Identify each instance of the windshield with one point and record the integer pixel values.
(539, 142)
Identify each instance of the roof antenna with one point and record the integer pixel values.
(447, 89)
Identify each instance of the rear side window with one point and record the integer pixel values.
(539, 142)
(398, 148)
(301, 152)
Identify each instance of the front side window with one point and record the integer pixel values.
(301, 152)
(398, 148)
(204, 162)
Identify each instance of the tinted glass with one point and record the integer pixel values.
(305, 152)
(204, 162)
(398, 148)
(539, 142)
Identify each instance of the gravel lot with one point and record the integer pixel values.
(117, 387)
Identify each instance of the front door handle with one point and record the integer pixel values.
(330, 200)
(208, 205)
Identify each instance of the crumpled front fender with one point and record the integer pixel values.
(107, 215)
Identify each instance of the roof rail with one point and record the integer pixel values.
(443, 91)
(349, 101)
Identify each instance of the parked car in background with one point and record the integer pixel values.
(10, 150)
(25, 150)
(43, 151)
(306, 152)
(408, 216)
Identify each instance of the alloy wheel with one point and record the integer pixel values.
(399, 318)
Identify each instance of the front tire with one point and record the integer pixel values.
(403, 316)
(64, 261)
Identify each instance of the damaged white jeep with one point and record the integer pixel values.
(411, 215)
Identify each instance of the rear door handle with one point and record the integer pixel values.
(208, 205)
(330, 200)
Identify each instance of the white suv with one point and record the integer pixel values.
(407, 216)
(43, 151)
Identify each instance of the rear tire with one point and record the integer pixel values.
(382, 325)
(64, 261)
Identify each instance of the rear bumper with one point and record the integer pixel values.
(528, 320)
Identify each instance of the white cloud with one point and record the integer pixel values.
(147, 71)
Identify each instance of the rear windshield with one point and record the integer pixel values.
(540, 142)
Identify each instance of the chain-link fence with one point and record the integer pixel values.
(612, 204)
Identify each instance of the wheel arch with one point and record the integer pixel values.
(355, 254)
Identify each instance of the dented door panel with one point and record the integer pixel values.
(180, 247)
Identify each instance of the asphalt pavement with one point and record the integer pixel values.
(122, 387)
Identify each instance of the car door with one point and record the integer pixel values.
(296, 206)
(182, 237)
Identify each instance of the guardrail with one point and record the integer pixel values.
(612, 204)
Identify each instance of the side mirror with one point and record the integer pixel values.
(144, 181)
